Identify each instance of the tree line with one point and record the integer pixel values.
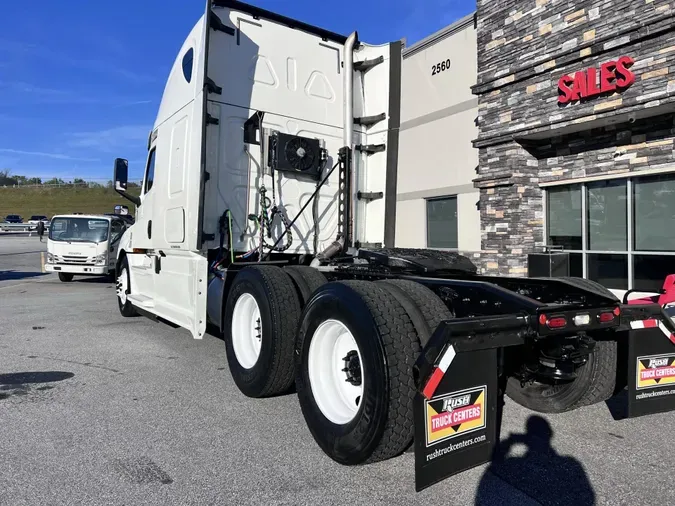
(9, 179)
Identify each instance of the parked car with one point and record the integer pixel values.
(35, 219)
(13, 218)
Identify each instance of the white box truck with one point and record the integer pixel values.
(83, 245)
(268, 208)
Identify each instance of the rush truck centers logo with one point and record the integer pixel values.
(655, 371)
(456, 413)
(613, 76)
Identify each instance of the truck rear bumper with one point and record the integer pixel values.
(98, 270)
(457, 410)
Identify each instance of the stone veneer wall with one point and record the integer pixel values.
(526, 137)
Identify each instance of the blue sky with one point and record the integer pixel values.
(81, 80)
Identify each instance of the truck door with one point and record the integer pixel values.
(177, 265)
(141, 264)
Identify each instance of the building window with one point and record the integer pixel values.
(607, 205)
(442, 223)
(618, 232)
(187, 64)
(564, 217)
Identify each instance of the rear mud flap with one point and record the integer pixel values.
(651, 368)
(457, 415)
(456, 429)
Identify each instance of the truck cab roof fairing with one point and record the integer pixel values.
(290, 22)
(178, 92)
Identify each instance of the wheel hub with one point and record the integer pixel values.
(336, 372)
(121, 286)
(246, 331)
(352, 368)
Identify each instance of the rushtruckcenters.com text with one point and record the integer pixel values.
(645, 395)
(439, 452)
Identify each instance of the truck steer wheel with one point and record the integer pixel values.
(123, 288)
(354, 354)
(65, 277)
(259, 321)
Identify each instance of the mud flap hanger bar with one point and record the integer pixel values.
(639, 316)
(462, 335)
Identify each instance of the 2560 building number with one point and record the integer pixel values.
(440, 67)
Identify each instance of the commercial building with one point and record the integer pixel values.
(574, 138)
(436, 197)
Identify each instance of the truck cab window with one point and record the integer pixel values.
(187, 64)
(116, 230)
(150, 172)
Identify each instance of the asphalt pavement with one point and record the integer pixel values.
(99, 409)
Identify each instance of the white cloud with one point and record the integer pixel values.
(135, 102)
(23, 49)
(112, 139)
(55, 156)
(45, 95)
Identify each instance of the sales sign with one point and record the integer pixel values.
(613, 76)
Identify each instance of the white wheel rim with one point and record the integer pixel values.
(122, 285)
(246, 330)
(337, 398)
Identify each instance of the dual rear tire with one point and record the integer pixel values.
(349, 353)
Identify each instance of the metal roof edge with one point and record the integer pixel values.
(441, 34)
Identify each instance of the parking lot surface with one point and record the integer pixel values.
(99, 409)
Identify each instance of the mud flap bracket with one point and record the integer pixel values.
(457, 415)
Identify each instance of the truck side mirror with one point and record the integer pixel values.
(121, 175)
(121, 178)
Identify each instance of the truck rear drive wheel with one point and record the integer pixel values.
(306, 280)
(65, 277)
(424, 307)
(595, 382)
(355, 350)
(259, 321)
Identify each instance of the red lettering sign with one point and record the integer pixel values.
(614, 76)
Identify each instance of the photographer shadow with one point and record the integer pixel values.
(541, 473)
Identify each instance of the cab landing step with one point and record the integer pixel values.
(142, 301)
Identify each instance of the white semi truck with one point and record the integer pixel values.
(267, 210)
(83, 245)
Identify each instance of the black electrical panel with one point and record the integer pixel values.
(551, 264)
(296, 154)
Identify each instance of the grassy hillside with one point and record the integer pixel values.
(50, 201)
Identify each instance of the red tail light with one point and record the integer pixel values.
(606, 317)
(557, 322)
(617, 311)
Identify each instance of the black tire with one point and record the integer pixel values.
(589, 285)
(424, 307)
(66, 277)
(595, 382)
(127, 309)
(275, 295)
(306, 280)
(388, 344)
